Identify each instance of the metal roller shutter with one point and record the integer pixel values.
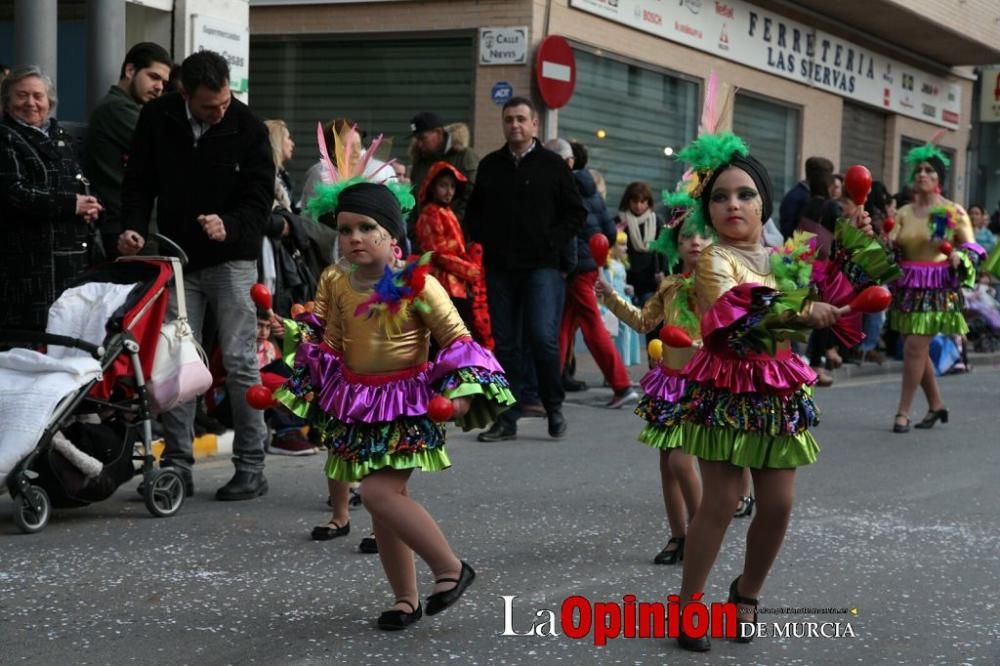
(640, 112)
(862, 140)
(379, 83)
(772, 133)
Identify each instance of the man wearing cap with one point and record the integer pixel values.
(432, 142)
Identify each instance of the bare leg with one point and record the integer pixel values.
(708, 526)
(673, 498)
(928, 382)
(775, 493)
(399, 517)
(399, 566)
(339, 493)
(915, 359)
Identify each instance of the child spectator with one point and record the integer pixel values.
(641, 224)
(457, 268)
(626, 339)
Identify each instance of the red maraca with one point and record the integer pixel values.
(675, 336)
(945, 247)
(440, 409)
(858, 181)
(871, 300)
(887, 224)
(259, 397)
(599, 248)
(260, 295)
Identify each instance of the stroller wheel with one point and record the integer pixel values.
(32, 511)
(164, 493)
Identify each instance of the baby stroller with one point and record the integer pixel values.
(85, 401)
(982, 312)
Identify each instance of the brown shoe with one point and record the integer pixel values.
(823, 378)
(533, 410)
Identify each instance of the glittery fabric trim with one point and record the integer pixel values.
(768, 414)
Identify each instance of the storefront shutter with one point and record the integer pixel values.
(640, 112)
(862, 140)
(772, 133)
(379, 83)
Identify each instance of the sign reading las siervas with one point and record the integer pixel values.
(738, 31)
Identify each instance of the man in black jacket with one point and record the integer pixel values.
(525, 211)
(206, 160)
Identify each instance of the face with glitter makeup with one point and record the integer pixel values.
(364, 242)
(735, 207)
(925, 178)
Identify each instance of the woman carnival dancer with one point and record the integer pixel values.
(672, 305)
(747, 402)
(935, 244)
(361, 377)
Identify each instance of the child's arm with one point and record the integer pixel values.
(432, 228)
(650, 316)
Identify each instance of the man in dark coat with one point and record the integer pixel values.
(525, 210)
(206, 161)
(109, 134)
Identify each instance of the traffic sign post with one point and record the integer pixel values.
(555, 71)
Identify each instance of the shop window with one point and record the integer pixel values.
(632, 118)
(771, 130)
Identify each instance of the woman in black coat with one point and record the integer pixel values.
(46, 220)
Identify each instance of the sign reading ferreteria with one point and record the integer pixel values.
(230, 40)
(503, 46)
(744, 33)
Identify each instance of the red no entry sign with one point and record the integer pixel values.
(555, 71)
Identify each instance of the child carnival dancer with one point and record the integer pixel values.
(746, 401)
(936, 247)
(361, 377)
(672, 305)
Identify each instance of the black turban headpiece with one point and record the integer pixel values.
(377, 202)
(757, 173)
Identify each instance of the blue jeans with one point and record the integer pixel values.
(872, 326)
(525, 309)
(226, 287)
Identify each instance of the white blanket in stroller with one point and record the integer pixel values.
(31, 387)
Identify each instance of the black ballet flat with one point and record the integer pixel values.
(368, 545)
(736, 598)
(671, 555)
(745, 507)
(932, 418)
(331, 531)
(685, 642)
(438, 601)
(397, 620)
(896, 427)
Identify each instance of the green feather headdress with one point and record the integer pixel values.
(327, 195)
(922, 154)
(690, 222)
(708, 151)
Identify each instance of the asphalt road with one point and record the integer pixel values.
(902, 528)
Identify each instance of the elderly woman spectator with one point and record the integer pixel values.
(43, 239)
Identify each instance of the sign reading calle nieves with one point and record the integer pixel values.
(503, 46)
(744, 33)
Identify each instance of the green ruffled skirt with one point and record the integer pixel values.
(928, 323)
(748, 449)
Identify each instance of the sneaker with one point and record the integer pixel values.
(291, 443)
(622, 397)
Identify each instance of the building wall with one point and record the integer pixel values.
(420, 17)
(821, 112)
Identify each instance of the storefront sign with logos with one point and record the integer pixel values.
(744, 33)
(989, 95)
(230, 40)
(503, 46)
